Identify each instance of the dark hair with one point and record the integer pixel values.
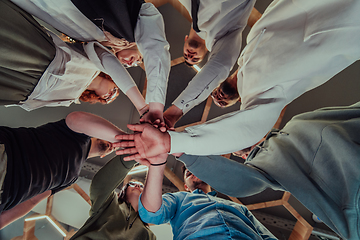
(229, 90)
(183, 168)
(189, 64)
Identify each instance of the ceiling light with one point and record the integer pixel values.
(138, 169)
(197, 68)
(50, 220)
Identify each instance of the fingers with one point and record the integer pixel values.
(126, 151)
(136, 127)
(124, 144)
(132, 157)
(163, 129)
(143, 161)
(125, 137)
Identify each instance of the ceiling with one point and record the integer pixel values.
(343, 89)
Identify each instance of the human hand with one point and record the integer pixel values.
(146, 142)
(154, 116)
(172, 115)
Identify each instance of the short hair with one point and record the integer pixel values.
(229, 90)
(189, 64)
(183, 169)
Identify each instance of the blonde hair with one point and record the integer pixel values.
(116, 44)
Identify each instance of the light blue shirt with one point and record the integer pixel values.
(198, 215)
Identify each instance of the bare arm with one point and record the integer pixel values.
(172, 115)
(151, 197)
(93, 125)
(21, 210)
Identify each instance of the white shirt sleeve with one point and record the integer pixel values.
(233, 131)
(109, 64)
(151, 41)
(221, 60)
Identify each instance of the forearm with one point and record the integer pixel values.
(21, 210)
(151, 41)
(106, 62)
(137, 99)
(222, 58)
(217, 170)
(107, 179)
(151, 197)
(172, 115)
(233, 131)
(93, 125)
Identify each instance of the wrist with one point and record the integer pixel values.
(156, 107)
(143, 110)
(158, 164)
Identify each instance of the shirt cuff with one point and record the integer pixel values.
(188, 160)
(177, 141)
(149, 217)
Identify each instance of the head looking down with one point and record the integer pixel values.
(194, 48)
(226, 94)
(102, 89)
(100, 148)
(127, 53)
(191, 182)
(130, 193)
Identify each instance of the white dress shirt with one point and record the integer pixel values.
(65, 79)
(221, 23)
(296, 46)
(149, 36)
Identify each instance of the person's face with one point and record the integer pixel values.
(225, 95)
(104, 147)
(194, 51)
(107, 90)
(134, 190)
(129, 57)
(192, 182)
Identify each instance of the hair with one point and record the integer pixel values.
(189, 64)
(90, 96)
(183, 169)
(229, 90)
(116, 44)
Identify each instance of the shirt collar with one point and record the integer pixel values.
(199, 191)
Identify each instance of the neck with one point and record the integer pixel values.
(194, 36)
(135, 205)
(95, 83)
(203, 187)
(233, 79)
(93, 151)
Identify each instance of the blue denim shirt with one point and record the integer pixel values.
(198, 215)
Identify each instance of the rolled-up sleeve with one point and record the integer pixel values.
(166, 212)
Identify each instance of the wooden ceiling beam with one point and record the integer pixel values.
(174, 179)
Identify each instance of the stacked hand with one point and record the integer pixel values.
(146, 142)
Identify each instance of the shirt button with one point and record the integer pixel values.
(182, 101)
(187, 105)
